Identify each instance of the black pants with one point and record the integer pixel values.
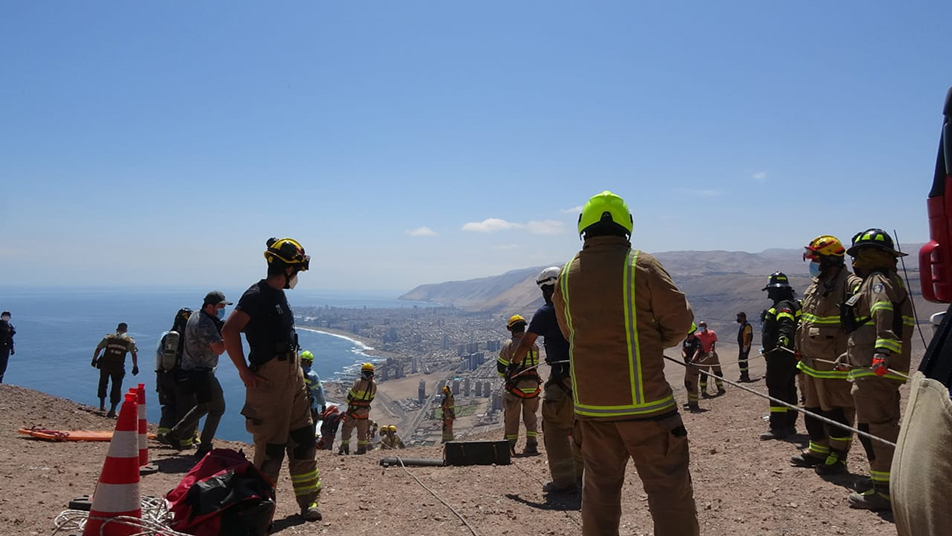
(211, 405)
(116, 373)
(4, 359)
(174, 398)
(742, 361)
(782, 384)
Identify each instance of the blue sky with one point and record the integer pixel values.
(414, 142)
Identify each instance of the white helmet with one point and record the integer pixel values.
(548, 276)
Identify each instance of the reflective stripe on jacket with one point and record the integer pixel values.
(361, 395)
(619, 310)
(820, 333)
(522, 382)
(885, 311)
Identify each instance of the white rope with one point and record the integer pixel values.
(433, 493)
(155, 520)
(790, 406)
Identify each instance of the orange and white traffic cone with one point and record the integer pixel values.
(117, 493)
(145, 468)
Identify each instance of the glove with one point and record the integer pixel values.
(796, 354)
(135, 371)
(710, 354)
(94, 362)
(840, 362)
(783, 341)
(879, 364)
(761, 351)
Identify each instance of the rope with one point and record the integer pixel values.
(433, 493)
(905, 273)
(818, 417)
(154, 521)
(896, 372)
(533, 367)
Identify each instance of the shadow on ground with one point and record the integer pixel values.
(552, 502)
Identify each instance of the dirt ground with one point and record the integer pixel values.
(742, 486)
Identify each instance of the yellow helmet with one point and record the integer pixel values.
(287, 251)
(515, 320)
(393, 428)
(306, 355)
(367, 367)
(605, 206)
(825, 246)
(446, 389)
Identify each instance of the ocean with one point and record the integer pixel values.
(58, 330)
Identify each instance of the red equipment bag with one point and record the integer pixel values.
(224, 494)
(935, 258)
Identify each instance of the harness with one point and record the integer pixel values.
(523, 373)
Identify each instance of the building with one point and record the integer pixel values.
(455, 388)
(421, 393)
(466, 391)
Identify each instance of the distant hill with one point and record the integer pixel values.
(718, 284)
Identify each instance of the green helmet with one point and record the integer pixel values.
(602, 207)
(873, 238)
(306, 355)
(693, 328)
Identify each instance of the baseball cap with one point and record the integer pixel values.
(216, 297)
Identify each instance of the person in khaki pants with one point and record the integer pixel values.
(522, 388)
(359, 398)
(619, 310)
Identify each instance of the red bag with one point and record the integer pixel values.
(224, 494)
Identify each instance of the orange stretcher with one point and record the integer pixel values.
(69, 435)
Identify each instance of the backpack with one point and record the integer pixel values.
(168, 359)
(223, 495)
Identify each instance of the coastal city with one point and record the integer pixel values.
(419, 350)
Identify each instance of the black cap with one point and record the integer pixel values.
(216, 297)
(122, 327)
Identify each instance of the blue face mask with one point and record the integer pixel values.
(815, 269)
(221, 314)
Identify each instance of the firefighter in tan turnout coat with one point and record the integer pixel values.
(619, 310)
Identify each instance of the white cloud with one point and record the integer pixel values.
(490, 225)
(573, 210)
(760, 176)
(507, 247)
(545, 227)
(422, 231)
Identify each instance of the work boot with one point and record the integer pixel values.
(744, 378)
(775, 433)
(201, 452)
(806, 459)
(102, 404)
(720, 390)
(872, 499)
(552, 487)
(311, 513)
(344, 449)
(692, 407)
(833, 466)
(361, 449)
(532, 448)
(169, 440)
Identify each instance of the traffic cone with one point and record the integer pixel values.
(117, 493)
(145, 468)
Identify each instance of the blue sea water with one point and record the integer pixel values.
(58, 330)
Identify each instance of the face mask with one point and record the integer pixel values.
(815, 269)
(293, 281)
(703, 330)
(221, 314)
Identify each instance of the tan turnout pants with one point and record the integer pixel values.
(660, 452)
(558, 416)
(278, 415)
(877, 413)
(359, 420)
(834, 399)
(529, 408)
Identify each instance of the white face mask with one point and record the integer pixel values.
(293, 281)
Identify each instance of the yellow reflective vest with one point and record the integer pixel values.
(619, 310)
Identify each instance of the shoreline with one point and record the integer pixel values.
(365, 344)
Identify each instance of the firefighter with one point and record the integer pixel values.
(330, 421)
(391, 441)
(558, 413)
(745, 336)
(820, 340)
(448, 409)
(690, 351)
(522, 388)
(880, 322)
(277, 408)
(779, 336)
(619, 310)
(357, 415)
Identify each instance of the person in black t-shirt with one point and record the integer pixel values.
(277, 406)
(558, 404)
